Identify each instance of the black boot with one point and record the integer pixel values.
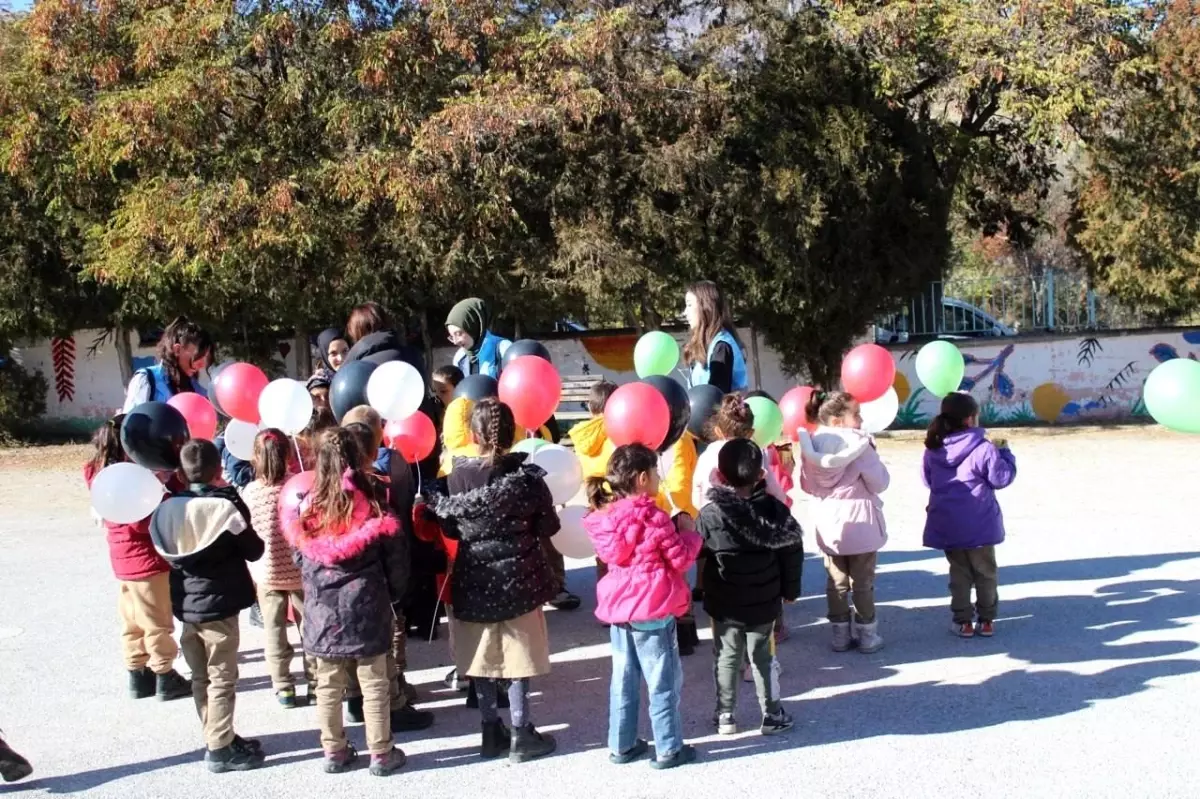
(173, 685)
(13, 767)
(409, 719)
(496, 739)
(354, 709)
(685, 633)
(528, 744)
(141, 684)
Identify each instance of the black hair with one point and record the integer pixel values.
(624, 467)
(598, 397)
(957, 408)
(200, 461)
(740, 462)
(493, 428)
(448, 374)
(733, 417)
(825, 405)
(184, 332)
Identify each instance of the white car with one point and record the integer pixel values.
(960, 320)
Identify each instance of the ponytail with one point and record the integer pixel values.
(599, 492)
(627, 463)
(957, 408)
(825, 405)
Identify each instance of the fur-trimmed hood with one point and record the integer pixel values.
(760, 519)
(331, 546)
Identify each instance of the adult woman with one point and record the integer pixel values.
(375, 340)
(713, 349)
(183, 351)
(479, 349)
(332, 349)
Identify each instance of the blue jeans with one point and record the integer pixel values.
(654, 656)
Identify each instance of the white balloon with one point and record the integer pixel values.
(124, 493)
(572, 539)
(239, 439)
(564, 474)
(395, 389)
(285, 404)
(878, 415)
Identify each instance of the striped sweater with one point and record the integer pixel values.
(277, 569)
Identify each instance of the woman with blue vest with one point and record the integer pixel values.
(713, 349)
(183, 351)
(480, 351)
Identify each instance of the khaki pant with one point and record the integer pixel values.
(851, 574)
(279, 650)
(395, 659)
(147, 627)
(210, 649)
(333, 678)
(973, 567)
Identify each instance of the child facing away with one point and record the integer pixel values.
(354, 569)
(144, 601)
(963, 471)
(276, 575)
(840, 468)
(755, 554)
(500, 511)
(642, 593)
(204, 533)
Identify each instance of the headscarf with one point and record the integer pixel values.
(473, 317)
(327, 337)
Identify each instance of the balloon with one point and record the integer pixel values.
(704, 400)
(564, 475)
(656, 353)
(413, 437)
(572, 539)
(793, 406)
(768, 420)
(677, 401)
(239, 439)
(198, 412)
(124, 493)
(940, 368)
(294, 490)
(348, 389)
(530, 445)
(477, 387)
(637, 413)
(1172, 395)
(152, 435)
(868, 372)
(213, 376)
(878, 415)
(238, 388)
(285, 404)
(531, 387)
(395, 389)
(522, 348)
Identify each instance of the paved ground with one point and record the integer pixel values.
(1091, 687)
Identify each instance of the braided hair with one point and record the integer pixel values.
(733, 418)
(493, 428)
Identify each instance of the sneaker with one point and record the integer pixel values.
(565, 601)
(354, 710)
(256, 616)
(247, 743)
(631, 754)
(779, 721)
(963, 630)
(985, 628)
(142, 685)
(233, 758)
(342, 760)
(685, 754)
(497, 740)
(171, 686)
(286, 697)
(13, 767)
(453, 683)
(409, 719)
(387, 764)
(841, 636)
(529, 744)
(726, 724)
(310, 697)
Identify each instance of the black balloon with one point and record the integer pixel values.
(348, 389)
(477, 387)
(522, 347)
(152, 435)
(212, 382)
(703, 400)
(679, 403)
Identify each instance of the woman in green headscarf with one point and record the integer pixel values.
(479, 349)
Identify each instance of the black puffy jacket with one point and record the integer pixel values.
(500, 515)
(755, 554)
(384, 346)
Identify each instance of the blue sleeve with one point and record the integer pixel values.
(238, 472)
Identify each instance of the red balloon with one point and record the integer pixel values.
(867, 372)
(293, 492)
(531, 387)
(413, 436)
(237, 389)
(637, 413)
(200, 414)
(793, 405)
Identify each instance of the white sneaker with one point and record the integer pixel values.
(841, 636)
(869, 639)
(726, 724)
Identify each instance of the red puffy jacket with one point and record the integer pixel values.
(129, 547)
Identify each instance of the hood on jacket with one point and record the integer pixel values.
(957, 447)
(384, 346)
(514, 487)
(185, 525)
(826, 454)
(328, 546)
(589, 437)
(616, 530)
(760, 519)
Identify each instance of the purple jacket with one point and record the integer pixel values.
(963, 477)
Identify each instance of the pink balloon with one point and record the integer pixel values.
(793, 405)
(531, 387)
(237, 389)
(293, 492)
(868, 372)
(200, 414)
(413, 436)
(637, 413)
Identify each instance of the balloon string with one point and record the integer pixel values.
(299, 457)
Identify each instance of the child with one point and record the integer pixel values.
(318, 388)
(147, 629)
(205, 534)
(963, 471)
(591, 442)
(500, 511)
(732, 419)
(276, 575)
(354, 568)
(755, 555)
(640, 596)
(443, 382)
(841, 469)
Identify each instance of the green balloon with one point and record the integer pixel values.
(656, 353)
(768, 420)
(529, 445)
(940, 368)
(1172, 395)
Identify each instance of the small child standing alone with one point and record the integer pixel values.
(963, 471)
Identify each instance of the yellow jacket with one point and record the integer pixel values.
(592, 446)
(456, 434)
(677, 466)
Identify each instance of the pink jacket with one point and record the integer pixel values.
(841, 469)
(646, 557)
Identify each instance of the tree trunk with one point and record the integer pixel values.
(754, 358)
(303, 352)
(124, 353)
